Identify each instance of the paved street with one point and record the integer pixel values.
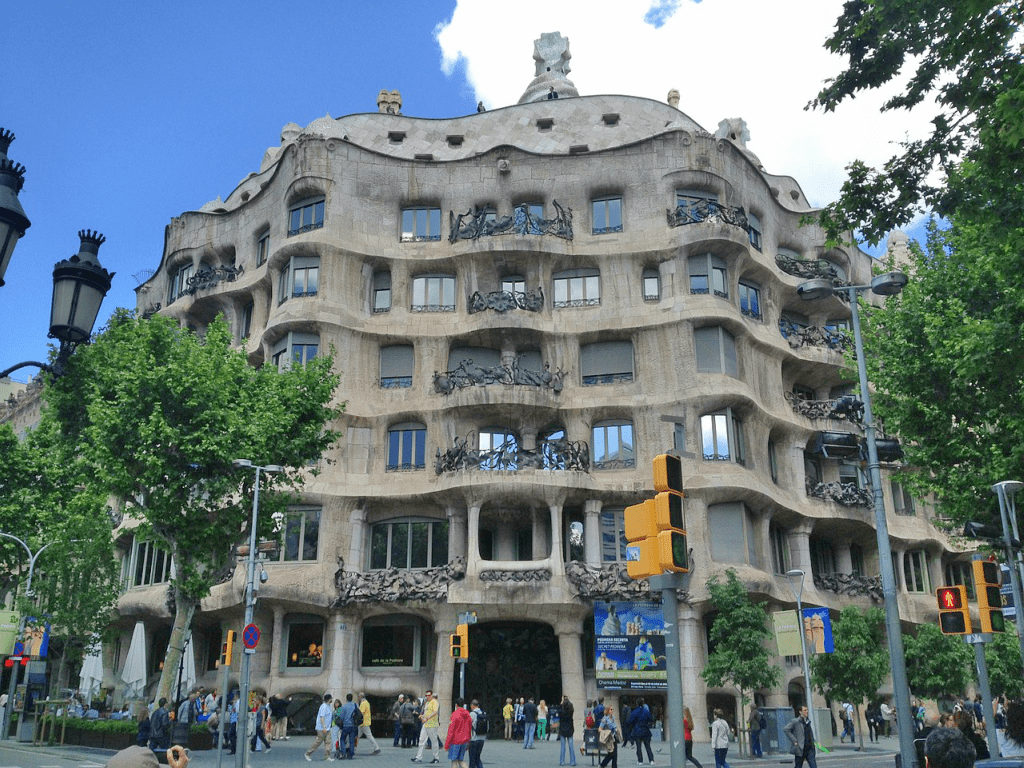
(496, 753)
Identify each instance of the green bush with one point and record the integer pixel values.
(97, 726)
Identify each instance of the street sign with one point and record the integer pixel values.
(250, 637)
(978, 637)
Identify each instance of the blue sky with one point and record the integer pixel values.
(127, 114)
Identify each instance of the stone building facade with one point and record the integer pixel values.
(526, 305)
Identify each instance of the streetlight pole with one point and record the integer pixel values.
(32, 558)
(797, 576)
(242, 745)
(1006, 490)
(888, 284)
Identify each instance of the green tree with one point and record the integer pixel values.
(937, 664)
(966, 56)
(948, 363)
(1002, 657)
(857, 667)
(158, 413)
(737, 638)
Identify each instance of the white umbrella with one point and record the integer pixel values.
(134, 672)
(91, 678)
(188, 674)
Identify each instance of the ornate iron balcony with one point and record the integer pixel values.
(209, 277)
(607, 378)
(395, 382)
(700, 210)
(812, 335)
(482, 222)
(469, 374)
(553, 454)
(845, 494)
(503, 301)
(847, 409)
(812, 269)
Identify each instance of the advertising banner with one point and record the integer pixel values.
(817, 626)
(629, 647)
(8, 631)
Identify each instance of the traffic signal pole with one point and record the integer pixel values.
(668, 584)
(978, 642)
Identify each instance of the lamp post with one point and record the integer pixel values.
(32, 558)
(242, 749)
(796, 576)
(13, 221)
(1006, 490)
(888, 284)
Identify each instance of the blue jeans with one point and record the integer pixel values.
(531, 728)
(809, 757)
(398, 731)
(347, 743)
(476, 746)
(572, 750)
(755, 744)
(720, 758)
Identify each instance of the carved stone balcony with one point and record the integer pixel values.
(482, 222)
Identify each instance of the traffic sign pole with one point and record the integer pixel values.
(668, 584)
(978, 641)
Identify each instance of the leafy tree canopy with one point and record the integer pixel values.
(858, 666)
(948, 364)
(937, 664)
(966, 56)
(157, 414)
(1002, 657)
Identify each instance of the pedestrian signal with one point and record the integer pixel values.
(990, 601)
(656, 528)
(954, 614)
(459, 647)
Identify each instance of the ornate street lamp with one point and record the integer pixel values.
(13, 221)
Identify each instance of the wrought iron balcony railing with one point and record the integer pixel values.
(553, 454)
(812, 335)
(482, 222)
(469, 374)
(504, 301)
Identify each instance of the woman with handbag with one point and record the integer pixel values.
(688, 736)
(608, 736)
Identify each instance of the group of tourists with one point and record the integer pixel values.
(526, 721)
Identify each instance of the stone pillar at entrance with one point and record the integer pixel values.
(444, 669)
(571, 655)
(458, 535)
(592, 531)
(473, 540)
(692, 657)
(801, 550)
(557, 554)
(276, 650)
(342, 629)
(357, 519)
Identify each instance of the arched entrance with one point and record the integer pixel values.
(509, 659)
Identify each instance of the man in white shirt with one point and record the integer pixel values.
(324, 716)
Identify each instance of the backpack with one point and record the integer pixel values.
(357, 717)
(483, 725)
(762, 723)
(589, 720)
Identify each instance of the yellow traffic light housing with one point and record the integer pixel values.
(459, 648)
(954, 613)
(227, 647)
(668, 473)
(990, 601)
(656, 528)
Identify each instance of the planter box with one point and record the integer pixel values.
(200, 740)
(91, 739)
(118, 741)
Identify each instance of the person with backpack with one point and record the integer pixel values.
(460, 733)
(348, 719)
(408, 713)
(481, 726)
(757, 724)
(640, 727)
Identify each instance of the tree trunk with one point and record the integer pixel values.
(740, 727)
(184, 610)
(856, 727)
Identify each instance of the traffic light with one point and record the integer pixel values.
(656, 528)
(227, 647)
(990, 602)
(459, 648)
(954, 614)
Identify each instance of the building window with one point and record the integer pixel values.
(750, 299)
(780, 548)
(396, 366)
(803, 392)
(300, 534)
(577, 288)
(396, 641)
(722, 437)
(732, 533)
(613, 445)
(548, 444)
(715, 350)
(652, 285)
(959, 572)
(503, 448)
(305, 644)
(408, 544)
(850, 473)
(903, 502)
(678, 437)
(754, 230)
(474, 357)
(262, 249)
(823, 557)
(421, 224)
(857, 560)
(527, 217)
(613, 536)
(689, 203)
(306, 216)
(708, 275)
(606, 215)
(812, 471)
(433, 293)
(773, 461)
(299, 277)
(294, 349)
(381, 291)
(179, 282)
(513, 284)
(915, 571)
(146, 564)
(245, 321)
(406, 446)
(606, 362)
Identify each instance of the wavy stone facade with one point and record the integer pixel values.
(664, 333)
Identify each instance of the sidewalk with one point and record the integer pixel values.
(496, 753)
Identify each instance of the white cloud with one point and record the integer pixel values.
(762, 61)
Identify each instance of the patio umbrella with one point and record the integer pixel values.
(188, 674)
(91, 678)
(134, 672)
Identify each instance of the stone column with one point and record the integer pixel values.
(592, 531)
(571, 655)
(557, 548)
(935, 575)
(693, 655)
(276, 648)
(458, 545)
(356, 559)
(539, 542)
(800, 549)
(473, 540)
(342, 629)
(444, 671)
(762, 522)
(528, 438)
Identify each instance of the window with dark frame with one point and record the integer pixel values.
(606, 215)
(612, 445)
(408, 544)
(421, 224)
(306, 216)
(406, 447)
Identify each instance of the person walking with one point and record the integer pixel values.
(322, 724)
(754, 723)
(346, 720)
(640, 731)
(480, 728)
(506, 717)
(430, 730)
(260, 731)
(460, 731)
(395, 716)
(720, 739)
(364, 727)
(608, 736)
(542, 720)
(847, 710)
(565, 732)
(688, 737)
(408, 715)
(278, 718)
(530, 721)
(160, 727)
(232, 733)
(801, 738)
